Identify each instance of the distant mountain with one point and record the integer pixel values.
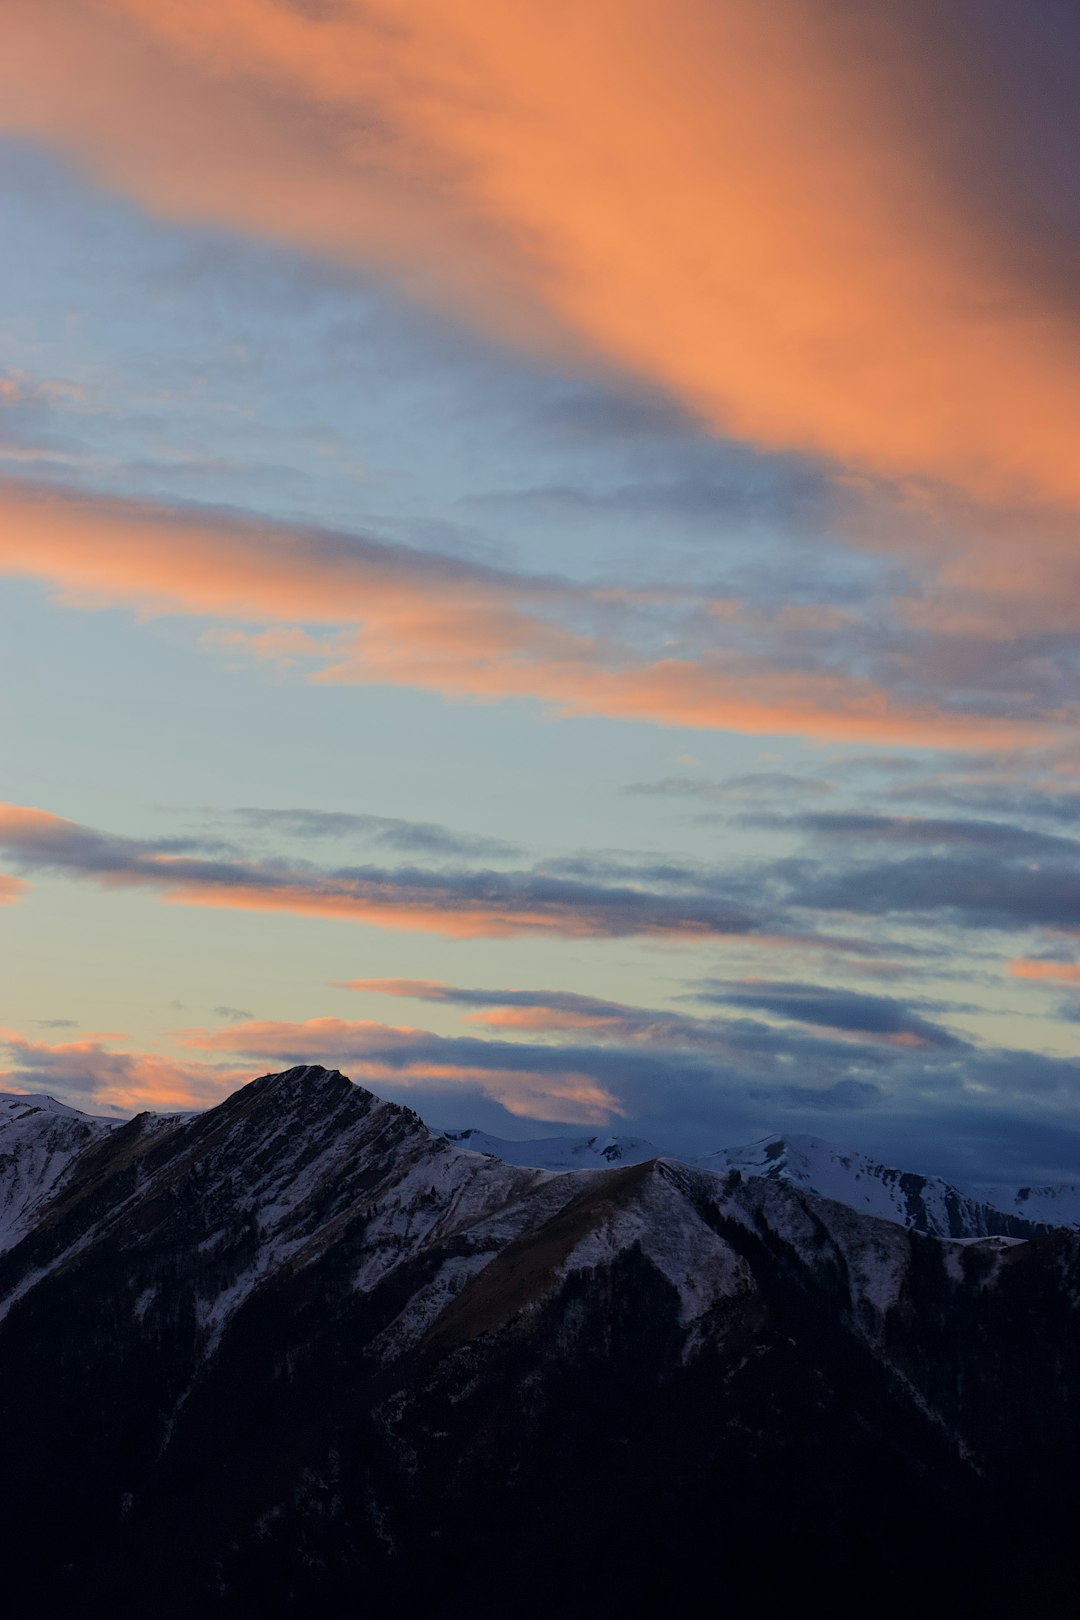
(299, 1355)
(558, 1152)
(39, 1140)
(1054, 1203)
(922, 1203)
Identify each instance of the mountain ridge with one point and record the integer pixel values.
(923, 1202)
(368, 1370)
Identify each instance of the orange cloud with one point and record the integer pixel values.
(576, 1098)
(392, 905)
(91, 1075)
(1059, 972)
(11, 889)
(567, 1013)
(763, 208)
(421, 620)
(542, 1020)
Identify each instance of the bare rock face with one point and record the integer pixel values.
(300, 1356)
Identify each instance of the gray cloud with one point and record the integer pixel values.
(829, 1008)
(841, 1096)
(993, 837)
(965, 890)
(754, 785)
(390, 832)
(818, 1005)
(475, 902)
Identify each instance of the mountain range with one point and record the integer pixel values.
(300, 1355)
(923, 1203)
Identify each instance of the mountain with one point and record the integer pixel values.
(39, 1140)
(300, 1355)
(558, 1152)
(1054, 1203)
(922, 1203)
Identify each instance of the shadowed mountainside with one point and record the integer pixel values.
(298, 1355)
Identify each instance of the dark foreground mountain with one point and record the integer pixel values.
(298, 1356)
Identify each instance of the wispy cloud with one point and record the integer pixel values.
(970, 834)
(389, 832)
(825, 1007)
(752, 787)
(420, 619)
(552, 1012)
(475, 903)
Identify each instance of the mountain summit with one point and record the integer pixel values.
(369, 1371)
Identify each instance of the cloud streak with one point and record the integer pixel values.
(849, 1011)
(393, 615)
(562, 1012)
(467, 904)
(390, 832)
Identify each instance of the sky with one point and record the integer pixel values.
(540, 564)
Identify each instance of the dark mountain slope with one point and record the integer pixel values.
(297, 1356)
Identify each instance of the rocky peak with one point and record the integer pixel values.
(303, 1079)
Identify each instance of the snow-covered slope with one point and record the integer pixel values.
(922, 1203)
(558, 1152)
(39, 1140)
(1055, 1204)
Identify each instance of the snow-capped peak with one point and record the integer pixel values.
(923, 1203)
(1054, 1203)
(16, 1105)
(40, 1138)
